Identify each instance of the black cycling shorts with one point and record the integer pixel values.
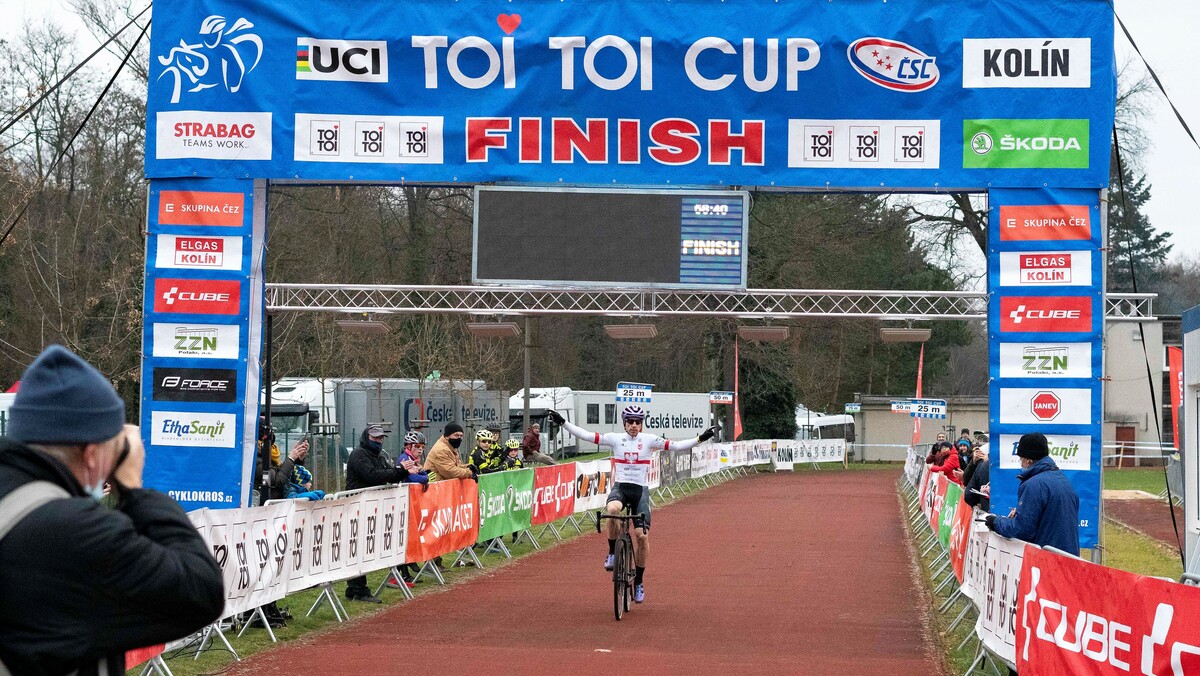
(632, 494)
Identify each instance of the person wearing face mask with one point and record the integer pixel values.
(443, 461)
(369, 465)
(83, 583)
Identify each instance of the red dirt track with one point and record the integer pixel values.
(816, 579)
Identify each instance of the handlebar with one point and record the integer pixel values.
(639, 520)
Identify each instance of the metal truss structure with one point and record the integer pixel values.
(763, 304)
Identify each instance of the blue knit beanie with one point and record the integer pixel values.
(64, 400)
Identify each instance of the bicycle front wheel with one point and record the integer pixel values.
(620, 578)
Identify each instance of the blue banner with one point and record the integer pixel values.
(201, 340)
(1045, 330)
(879, 96)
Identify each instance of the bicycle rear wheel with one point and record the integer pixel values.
(620, 581)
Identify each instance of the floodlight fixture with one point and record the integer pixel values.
(630, 331)
(768, 334)
(494, 329)
(368, 326)
(904, 335)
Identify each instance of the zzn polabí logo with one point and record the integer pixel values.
(1025, 144)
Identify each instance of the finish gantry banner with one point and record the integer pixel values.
(880, 96)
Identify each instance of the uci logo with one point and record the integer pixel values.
(345, 60)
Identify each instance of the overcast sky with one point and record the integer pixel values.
(1163, 29)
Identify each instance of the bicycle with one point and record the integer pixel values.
(623, 568)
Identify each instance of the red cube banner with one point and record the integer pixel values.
(553, 492)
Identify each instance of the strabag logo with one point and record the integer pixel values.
(198, 253)
(343, 60)
(875, 144)
(221, 56)
(202, 341)
(1071, 452)
(1033, 314)
(208, 135)
(209, 430)
(197, 296)
(188, 207)
(1025, 144)
(892, 64)
(1034, 63)
(1046, 268)
(205, 385)
(1045, 222)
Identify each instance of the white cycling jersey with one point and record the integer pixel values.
(631, 455)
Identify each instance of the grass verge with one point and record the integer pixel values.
(1149, 479)
(215, 659)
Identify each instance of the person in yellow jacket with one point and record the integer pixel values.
(443, 461)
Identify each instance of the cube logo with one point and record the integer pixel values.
(1045, 406)
(1053, 314)
(197, 296)
(1045, 222)
(324, 137)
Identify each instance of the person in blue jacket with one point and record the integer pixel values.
(1047, 512)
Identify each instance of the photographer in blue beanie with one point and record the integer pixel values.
(84, 582)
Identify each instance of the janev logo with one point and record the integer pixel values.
(204, 385)
(1027, 63)
(346, 60)
(893, 65)
(1025, 144)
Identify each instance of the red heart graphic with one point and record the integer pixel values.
(508, 22)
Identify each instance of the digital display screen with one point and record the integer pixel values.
(601, 237)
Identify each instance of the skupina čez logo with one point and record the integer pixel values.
(222, 56)
(1025, 144)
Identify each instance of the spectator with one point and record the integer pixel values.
(410, 460)
(83, 583)
(1047, 512)
(965, 449)
(369, 466)
(531, 446)
(278, 478)
(300, 484)
(976, 478)
(512, 449)
(964, 435)
(443, 461)
(946, 462)
(485, 457)
(935, 448)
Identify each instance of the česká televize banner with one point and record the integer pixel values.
(505, 502)
(443, 519)
(553, 493)
(1074, 617)
(849, 95)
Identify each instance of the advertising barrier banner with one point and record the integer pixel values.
(996, 625)
(250, 546)
(950, 504)
(683, 465)
(442, 519)
(505, 502)
(593, 481)
(783, 455)
(1075, 617)
(821, 450)
(553, 493)
(960, 531)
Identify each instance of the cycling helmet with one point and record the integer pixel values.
(512, 444)
(414, 437)
(633, 413)
(484, 435)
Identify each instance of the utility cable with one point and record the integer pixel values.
(1142, 332)
(21, 115)
(50, 170)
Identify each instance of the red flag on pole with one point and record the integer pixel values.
(916, 437)
(737, 411)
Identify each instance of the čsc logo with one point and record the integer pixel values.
(892, 64)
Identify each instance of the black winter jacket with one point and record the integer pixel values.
(82, 583)
(366, 467)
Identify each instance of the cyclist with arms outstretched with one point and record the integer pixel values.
(632, 454)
